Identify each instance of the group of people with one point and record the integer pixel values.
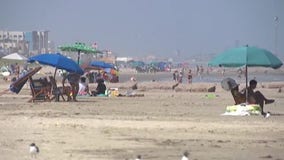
(109, 77)
(80, 87)
(14, 71)
(178, 76)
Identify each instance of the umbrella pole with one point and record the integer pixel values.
(55, 73)
(246, 84)
(78, 60)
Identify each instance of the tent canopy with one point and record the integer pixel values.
(14, 56)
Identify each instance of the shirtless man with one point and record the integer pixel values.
(73, 79)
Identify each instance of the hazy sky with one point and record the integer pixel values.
(151, 27)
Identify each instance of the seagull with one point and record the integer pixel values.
(185, 156)
(139, 157)
(34, 150)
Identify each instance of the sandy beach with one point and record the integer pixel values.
(159, 126)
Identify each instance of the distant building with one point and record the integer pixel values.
(12, 41)
(11, 36)
(38, 41)
(26, 43)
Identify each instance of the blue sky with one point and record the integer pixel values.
(152, 27)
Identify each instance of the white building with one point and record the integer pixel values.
(24, 42)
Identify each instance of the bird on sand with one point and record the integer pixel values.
(139, 157)
(185, 156)
(34, 150)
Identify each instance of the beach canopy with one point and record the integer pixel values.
(14, 56)
(58, 61)
(246, 56)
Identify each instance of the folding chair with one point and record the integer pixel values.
(59, 91)
(40, 90)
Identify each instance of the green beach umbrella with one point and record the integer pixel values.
(246, 56)
(79, 47)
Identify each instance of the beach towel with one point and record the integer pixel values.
(242, 110)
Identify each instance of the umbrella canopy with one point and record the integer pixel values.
(137, 64)
(14, 56)
(58, 61)
(17, 86)
(246, 56)
(79, 47)
(101, 64)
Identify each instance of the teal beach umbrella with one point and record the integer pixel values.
(246, 56)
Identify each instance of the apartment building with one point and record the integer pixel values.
(31, 42)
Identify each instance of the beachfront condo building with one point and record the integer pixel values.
(26, 43)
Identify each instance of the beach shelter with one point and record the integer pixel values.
(247, 56)
(58, 61)
(14, 56)
(79, 47)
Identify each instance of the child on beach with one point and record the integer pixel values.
(83, 87)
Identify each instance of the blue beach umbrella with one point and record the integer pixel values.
(58, 61)
(101, 64)
(17, 86)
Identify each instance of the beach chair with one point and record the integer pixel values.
(40, 90)
(58, 92)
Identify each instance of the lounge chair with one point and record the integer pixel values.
(40, 90)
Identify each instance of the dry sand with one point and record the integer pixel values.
(159, 126)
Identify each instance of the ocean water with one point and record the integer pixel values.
(211, 77)
(242, 79)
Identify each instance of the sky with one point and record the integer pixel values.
(164, 28)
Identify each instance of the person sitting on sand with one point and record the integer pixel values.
(101, 88)
(256, 97)
(83, 87)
